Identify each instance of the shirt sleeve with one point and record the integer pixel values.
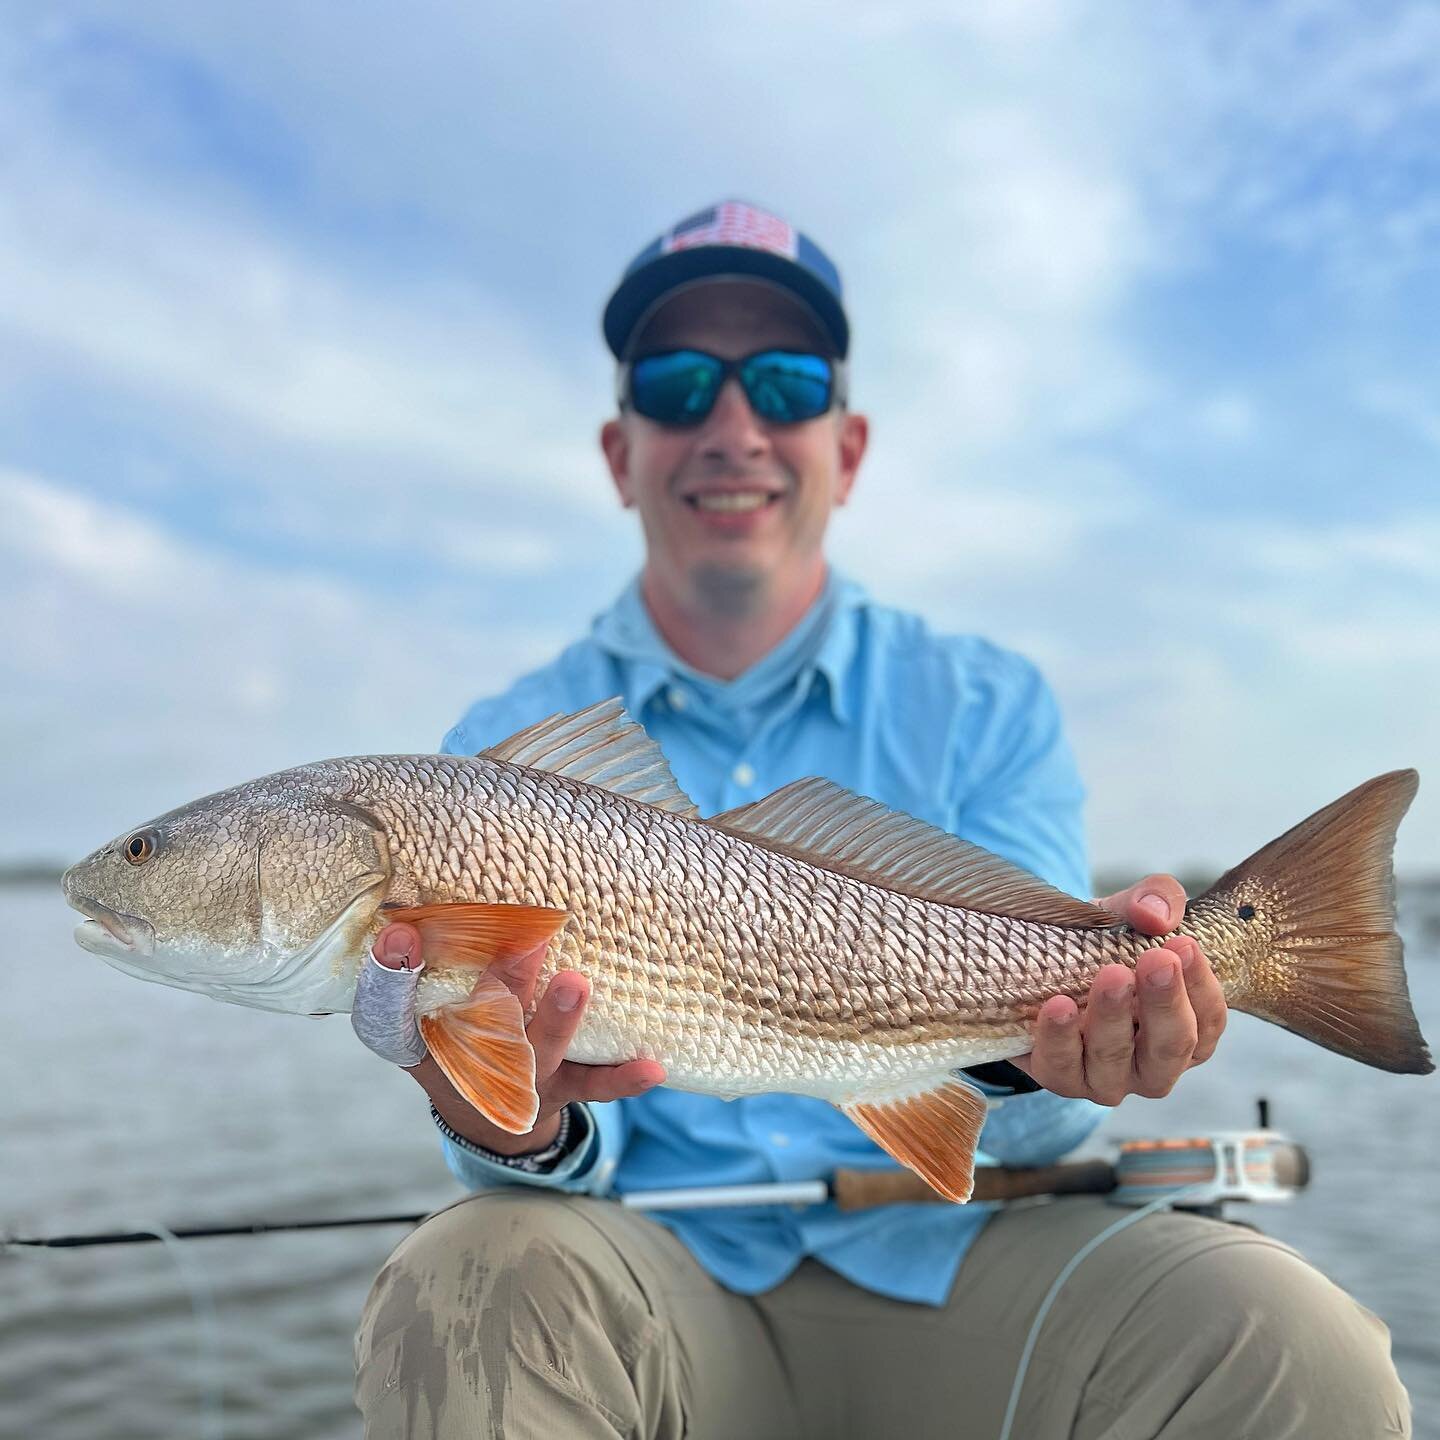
(1036, 1129)
(1020, 796)
(586, 1170)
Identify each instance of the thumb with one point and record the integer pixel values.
(383, 1013)
(1153, 906)
(397, 947)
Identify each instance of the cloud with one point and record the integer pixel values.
(144, 670)
(1406, 402)
(301, 372)
(1308, 127)
(1227, 418)
(1019, 186)
(242, 330)
(113, 553)
(1406, 548)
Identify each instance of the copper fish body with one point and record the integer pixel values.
(813, 942)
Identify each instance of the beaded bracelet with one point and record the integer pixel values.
(535, 1164)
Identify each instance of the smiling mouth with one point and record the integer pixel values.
(732, 502)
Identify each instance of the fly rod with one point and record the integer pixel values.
(1250, 1165)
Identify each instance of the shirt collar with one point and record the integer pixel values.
(823, 643)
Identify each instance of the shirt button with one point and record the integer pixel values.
(677, 697)
(779, 1140)
(743, 775)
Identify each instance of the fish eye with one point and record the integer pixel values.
(1246, 912)
(139, 847)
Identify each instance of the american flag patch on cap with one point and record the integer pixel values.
(733, 222)
(728, 239)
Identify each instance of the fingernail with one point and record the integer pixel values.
(1156, 905)
(1162, 977)
(1120, 994)
(1066, 1017)
(567, 997)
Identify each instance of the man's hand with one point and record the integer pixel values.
(550, 1031)
(1140, 1032)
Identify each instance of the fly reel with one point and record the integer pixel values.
(1206, 1171)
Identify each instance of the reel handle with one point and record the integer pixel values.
(1292, 1164)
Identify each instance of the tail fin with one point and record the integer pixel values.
(1335, 973)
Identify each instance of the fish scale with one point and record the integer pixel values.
(858, 963)
(811, 942)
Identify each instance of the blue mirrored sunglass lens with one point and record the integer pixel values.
(785, 387)
(677, 388)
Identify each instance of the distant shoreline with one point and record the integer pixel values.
(22, 873)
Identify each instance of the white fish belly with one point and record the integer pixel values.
(737, 1059)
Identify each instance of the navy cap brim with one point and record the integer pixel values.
(639, 291)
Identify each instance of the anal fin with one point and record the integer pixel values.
(480, 1044)
(934, 1132)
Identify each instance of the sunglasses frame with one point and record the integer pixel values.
(730, 369)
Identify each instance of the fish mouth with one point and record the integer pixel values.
(108, 932)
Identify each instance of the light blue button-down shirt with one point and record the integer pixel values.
(949, 728)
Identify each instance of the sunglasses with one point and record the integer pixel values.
(680, 387)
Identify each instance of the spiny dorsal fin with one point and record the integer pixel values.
(603, 746)
(819, 821)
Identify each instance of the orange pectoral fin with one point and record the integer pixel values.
(466, 934)
(480, 1044)
(935, 1133)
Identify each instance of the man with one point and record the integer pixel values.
(538, 1310)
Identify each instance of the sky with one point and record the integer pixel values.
(300, 371)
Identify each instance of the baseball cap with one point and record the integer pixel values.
(729, 238)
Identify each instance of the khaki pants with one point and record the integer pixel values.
(537, 1316)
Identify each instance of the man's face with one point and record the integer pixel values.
(733, 503)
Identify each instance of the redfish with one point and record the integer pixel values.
(814, 941)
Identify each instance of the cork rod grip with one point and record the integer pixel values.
(864, 1189)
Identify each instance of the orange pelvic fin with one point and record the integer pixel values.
(481, 935)
(480, 1044)
(935, 1133)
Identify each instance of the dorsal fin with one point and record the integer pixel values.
(819, 821)
(600, 745)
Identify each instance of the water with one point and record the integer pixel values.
(125, 1104)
